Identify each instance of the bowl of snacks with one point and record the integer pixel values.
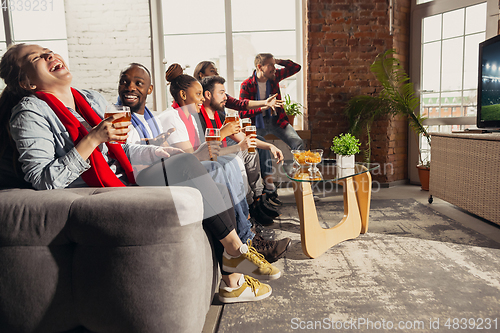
(304, 174)
(307, 157)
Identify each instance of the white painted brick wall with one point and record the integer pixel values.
(103, 38)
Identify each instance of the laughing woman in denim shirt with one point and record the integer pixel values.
(62, 140)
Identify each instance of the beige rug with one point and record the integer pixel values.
(415, 271)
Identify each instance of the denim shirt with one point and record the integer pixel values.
(48, 155)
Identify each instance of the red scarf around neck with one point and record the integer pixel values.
(99, 174)
(208, 122)
(188, 122)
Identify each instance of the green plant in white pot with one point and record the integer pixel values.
(345, 146)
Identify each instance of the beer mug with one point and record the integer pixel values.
(245, 122)
(249, 130)
(212, 134)
(231, 115)
(112, 109)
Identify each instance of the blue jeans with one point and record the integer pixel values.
(287, 134)
(265, 159)
(226, 171)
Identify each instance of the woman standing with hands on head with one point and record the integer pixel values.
(56, 130)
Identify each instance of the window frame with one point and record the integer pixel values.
(158, 52)
(10, 39)
(418, 12)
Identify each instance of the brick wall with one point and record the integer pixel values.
(105, 36)
(343, 38)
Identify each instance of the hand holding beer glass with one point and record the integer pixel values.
(251, 131)
(231, 115)
(111, 110)
(212, 135)
(231, 124)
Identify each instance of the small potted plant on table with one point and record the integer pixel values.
(345, 146)
(292, 109)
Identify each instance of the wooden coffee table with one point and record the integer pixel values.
(357, 187)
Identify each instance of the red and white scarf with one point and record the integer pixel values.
(188, 122)
(208, 122)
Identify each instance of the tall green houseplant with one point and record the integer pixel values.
(396, 98)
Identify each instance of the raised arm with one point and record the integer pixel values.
(246, 104)
(289, 68)
(246, 91)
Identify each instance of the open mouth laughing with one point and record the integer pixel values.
(56, 66)
(129, 98)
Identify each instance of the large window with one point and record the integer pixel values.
(449, 65)
(231, 33)
(35, 22)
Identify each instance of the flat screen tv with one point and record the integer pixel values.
(488, 88)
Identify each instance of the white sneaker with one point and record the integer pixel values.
(250, 262)
(249, 290)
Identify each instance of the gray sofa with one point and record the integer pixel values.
(104, 260)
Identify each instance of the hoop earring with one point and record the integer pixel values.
(32, 86)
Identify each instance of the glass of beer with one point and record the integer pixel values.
(212, 134)
(245, 122)
(231, 115)
(249, 130)
(112, 109)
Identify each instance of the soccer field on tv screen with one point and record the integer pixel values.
(490, 112)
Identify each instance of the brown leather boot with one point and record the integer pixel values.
(271, 250)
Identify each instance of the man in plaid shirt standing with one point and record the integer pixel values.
(263, 83)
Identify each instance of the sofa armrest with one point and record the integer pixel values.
(36, 218)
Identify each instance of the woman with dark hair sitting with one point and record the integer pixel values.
(188, 95)
(63, 141)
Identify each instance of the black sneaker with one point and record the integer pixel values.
(272, 198)
(261, 217)
(266, 207)
(271, 250)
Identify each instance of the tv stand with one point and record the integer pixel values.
(465, 171)
(479, 130)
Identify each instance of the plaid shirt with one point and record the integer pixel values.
(249, 90)
(236, 104)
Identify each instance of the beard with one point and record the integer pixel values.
(216, 106)
(271, 76)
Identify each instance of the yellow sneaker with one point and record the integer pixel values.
(250, 262)
(249, 290)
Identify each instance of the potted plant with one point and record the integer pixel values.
(292, 109)
(345, 146)
(396, 98)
